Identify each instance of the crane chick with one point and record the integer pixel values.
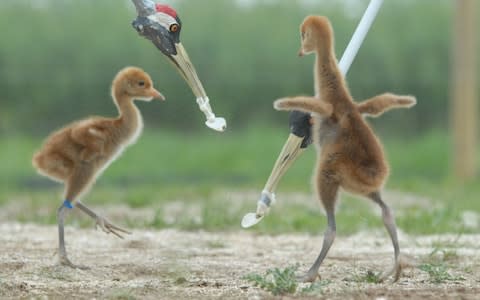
(78, 153)
(349, 155)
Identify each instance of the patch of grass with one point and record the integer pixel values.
(56, 273)
(353, 215)
(439, 244)
(418, 160)
(164, 159)
(213, 211)
(438, 273)
(180, 280)
(372, 277)
(216, 244)
(368, 277)
(276, 281)
(158, 221)
(436, 220)
(445, 255)
(239, 158)
(435, 263)
(469, 269)
(165, 167)
(450, 255)
(122, 294)
(316, 287)
(444, 250)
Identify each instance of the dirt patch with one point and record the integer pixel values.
(171, 264)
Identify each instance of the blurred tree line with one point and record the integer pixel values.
(58, 57)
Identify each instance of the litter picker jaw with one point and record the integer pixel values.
(290, 152)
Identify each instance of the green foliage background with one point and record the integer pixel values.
(58, 57)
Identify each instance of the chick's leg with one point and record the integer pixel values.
(327, 191)
(78, 182)
(102, 222)
(389, 222)
(62, 252)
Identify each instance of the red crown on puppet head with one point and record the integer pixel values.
(166, 10)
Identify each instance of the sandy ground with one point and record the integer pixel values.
(171, 264)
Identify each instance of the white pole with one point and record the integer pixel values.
(359, 35)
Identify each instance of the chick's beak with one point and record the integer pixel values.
(156, 94)
(300, 52)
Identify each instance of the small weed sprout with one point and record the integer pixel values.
(450, 255)
(276, 281)
(122, 294)
(438, 273)
(369, 277)
(216, 244)
(446, 254)
(316, 287)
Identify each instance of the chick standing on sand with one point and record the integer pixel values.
(349, 155)
(78, 153)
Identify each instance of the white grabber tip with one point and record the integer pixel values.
(263, 206)
(215, 123)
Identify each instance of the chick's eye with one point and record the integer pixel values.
(174, 28)
(141, 83)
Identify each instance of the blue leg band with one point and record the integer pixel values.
(67, 204)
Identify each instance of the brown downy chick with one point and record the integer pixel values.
(349, 155)
(78, 153)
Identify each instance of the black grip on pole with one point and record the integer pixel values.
(301, 127)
